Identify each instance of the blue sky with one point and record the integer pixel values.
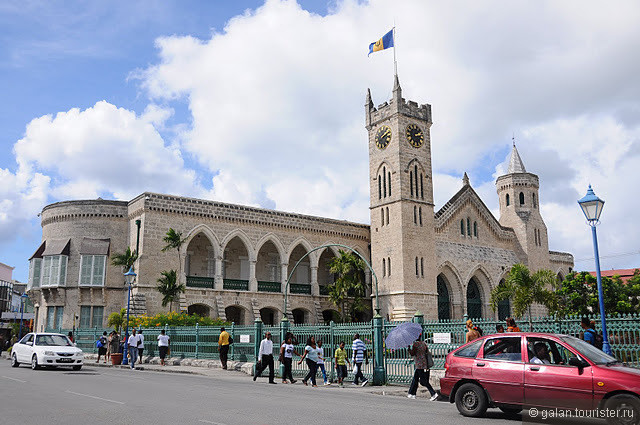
(250, 102)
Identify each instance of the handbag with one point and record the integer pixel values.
(430, 362)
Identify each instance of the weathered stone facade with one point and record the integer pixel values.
(236, 259)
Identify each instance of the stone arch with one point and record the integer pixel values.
(331, 314)
(270, 315)
(267, 267)
(482, 280)
(325, 277)
(560, 274)
(414, 162)
(306, 245)
(384, 164)
(200, 255)
(237, 314)
(271, 237)
(208, 232)
(245, 240)
(504, 306)
(301, 316)
(455, 287)
(200, 309)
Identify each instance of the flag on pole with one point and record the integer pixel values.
(384, 43)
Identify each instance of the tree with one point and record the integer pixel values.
(348, 289)
(117, 319)
(174, 240)
(125, 260)
(169, 287)
(578, 293)
(524, 289)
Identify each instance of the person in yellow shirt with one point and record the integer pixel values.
(223, 345)
(341, 362)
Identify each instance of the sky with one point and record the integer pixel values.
(262, 103)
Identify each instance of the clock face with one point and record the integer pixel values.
(383, 137)
(415, 137)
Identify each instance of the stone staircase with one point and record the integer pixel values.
(220, 306)
(138, 304)
(318, 308)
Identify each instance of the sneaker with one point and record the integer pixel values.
(255, 377)
(434, 397)
(272, 382)
(327, 383)
(354, 383)
(314, 386)
(364, 383)
(411, 396)
(293, 381)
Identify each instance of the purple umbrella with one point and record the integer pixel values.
(403, 335)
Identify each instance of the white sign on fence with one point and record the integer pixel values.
(245, 339)
(441, 338)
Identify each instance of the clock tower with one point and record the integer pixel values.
(402, 216)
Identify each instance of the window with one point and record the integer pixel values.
(471, 350)
(475, 229)
(384, 181)
(503, 348)
(384, 267)
(389, 180)
(546, 351)
(415, 173)
(417, 267)
(59, 312)
(96, 318)
(507, 199)
(91, 316)
(387, 215)
(92, 270)
(211, 263)
(54, 270)
(411, 182)
(381, 216)
(521, 198)
(35, 272)
(535, 236)
(462, 227)
(468, 226)
(533, 200)
(379, 188)
(415, 215)
(422, 266)
(420, 215)
(421, 187)
(51, 317)
(389, 266)
(85, 316)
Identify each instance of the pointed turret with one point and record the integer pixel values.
(515, 163)
(396, 99)
(465, 179)
(369, 102)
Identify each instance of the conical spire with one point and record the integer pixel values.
(515, 163)
(465, 179)
(396, 83)
(369, 102)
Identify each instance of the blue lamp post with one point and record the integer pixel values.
(129, 277)
(23, 298)
(592, 208)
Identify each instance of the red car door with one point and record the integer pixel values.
(500, 369)
(556, 384)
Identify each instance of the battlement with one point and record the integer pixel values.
(517, 180)
(408, 108)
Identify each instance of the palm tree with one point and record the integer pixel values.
(524, 289)
(169, 287)
(349, 283)
(174, 240)
(125, 260)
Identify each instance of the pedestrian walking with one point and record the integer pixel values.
(321, 361)
(223, 347)
(140, 345)
(311, 355)
(132, 342)
(341, 363)
(422, 362)
(266, 358)
(102, 347)
(471, 332)
(163, 345)
(113, 344)
(287, 351)
(511, 325)
(359, 354)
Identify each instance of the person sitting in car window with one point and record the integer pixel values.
(541, 354)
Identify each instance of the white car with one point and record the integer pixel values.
(46, 349)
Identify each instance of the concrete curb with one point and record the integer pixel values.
(153, 363)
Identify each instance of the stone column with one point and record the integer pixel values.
(315, 290)
(218, 279)
(253, 282)
(285, 275)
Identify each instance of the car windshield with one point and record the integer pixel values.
(589, 351)
(53, 340)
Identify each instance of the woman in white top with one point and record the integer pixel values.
(321, 361)
(163, 345)
(286, 354)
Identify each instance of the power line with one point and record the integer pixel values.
(625, 254)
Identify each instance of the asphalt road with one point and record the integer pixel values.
(116, 396)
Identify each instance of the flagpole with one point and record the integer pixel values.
(395, 63)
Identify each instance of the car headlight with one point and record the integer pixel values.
(79, 354)
(49, 353)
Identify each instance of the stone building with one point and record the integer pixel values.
(236, 259)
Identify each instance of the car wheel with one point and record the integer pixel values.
(34, 362)
(77, 367)
(511, 410)
(14, 360)
(471, 400)
(627, 408)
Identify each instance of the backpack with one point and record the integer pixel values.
(230, 340)
(101, 342)
(598, 340)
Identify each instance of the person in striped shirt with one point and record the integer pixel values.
(359, 354)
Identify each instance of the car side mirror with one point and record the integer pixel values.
(578, 362)
(29, 343)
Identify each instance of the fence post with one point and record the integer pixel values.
(197, 340)
(256, 344)
(95, 338)
(233, 336)
(332, 349)
(284, 328)
(379, 372)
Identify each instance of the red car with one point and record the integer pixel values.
(513, 370)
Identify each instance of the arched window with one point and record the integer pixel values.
(422, 266)
(521, 198)
(389, 179)
(468, 226)
(384, 181)
(444, 311)
(415, 173)
(384, 267)
(417, 266)
(420, 215)
(507, 199)
(475, 229)
(411, 182)
(421, 187)
(533, 200)
(379, 187)
(462, 227)
(389, 266)
(387, 215)
(382, 216)
(415, 215)
(474, 300)
(535, 236)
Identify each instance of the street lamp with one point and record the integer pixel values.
(592, 208)
(22, 301)
(129, 277)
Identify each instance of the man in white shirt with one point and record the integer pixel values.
(132, 343)
(265, 357)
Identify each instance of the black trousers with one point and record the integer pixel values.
(287, 361)
(224, 355)
(422, 376)
(267, 360)
(313, 369)
(358, 374)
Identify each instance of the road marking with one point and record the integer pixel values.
(97, 398)
(123, 376)
(209, 422)
(14, 379)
